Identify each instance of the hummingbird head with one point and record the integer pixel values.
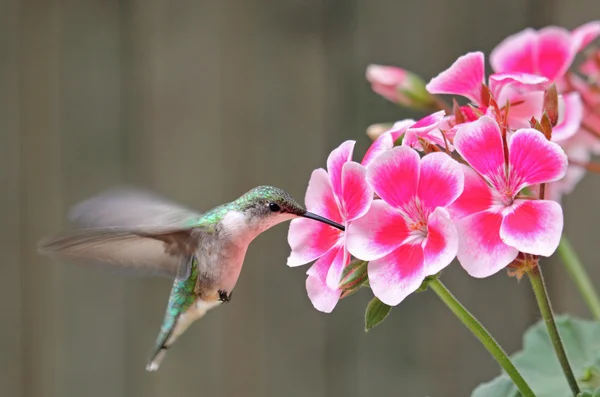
(270, 205)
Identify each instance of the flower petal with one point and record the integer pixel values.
(334, 274)
(397, 275)
(441, 180)
(400, 127)
(504, 85)
(322, 297)
(533, 226)
(382, 144)
(425, 128)
(516, 53)
(523, 107)
(336, 160)
(481, 252)
(465, 77)
(533, 159)
(555, 52)
(379, 232)
(357, 194)
(441, 245)
(394, 175)
(480, 143)
(476, 196)
(319, 196)
(309, 240)
(585, 34)
(570, 114)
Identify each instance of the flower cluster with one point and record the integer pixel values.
(479, 182)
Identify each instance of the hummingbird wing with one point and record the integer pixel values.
(132, 231)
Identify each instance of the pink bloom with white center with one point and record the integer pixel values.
(547, 52)
(494, 223)
(428, 129)
(408, 235)
(523, 91)
(399, 86)
(341, 194)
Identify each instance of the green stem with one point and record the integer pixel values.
(482, 334)
(541, 295)
(580, 276)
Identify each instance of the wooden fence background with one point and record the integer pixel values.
(202, 100)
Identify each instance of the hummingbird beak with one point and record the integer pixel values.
(319, 218)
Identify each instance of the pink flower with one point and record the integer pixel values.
(407, 235)
(494, 222)
(341, 194)
(524, 92)
(428, 129)
(399, 86)
(548, 52)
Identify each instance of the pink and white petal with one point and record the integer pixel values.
(357, 194)
(319, 196)
(465, 77)
(397, 275)
(533, 226)
(310, 240)
(516, 53)
(441, 244)
(516, 82)
(481, 252)
(322, 297)
(428, 123)
(391, 93)
(441, 180)
(336, 160)
(523, 107)
(379, 232)
(382, 144)
(570, 115)
(476, 196)
(480, 144)
(555, 52)
(394, 175)
(400, 127)
(585, 34)
(334, 275)
(533, 159)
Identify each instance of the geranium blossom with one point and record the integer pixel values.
(399, 86)
(408, 234)
(341, 194)
(494, 222)
(548, 52)
(523, 91)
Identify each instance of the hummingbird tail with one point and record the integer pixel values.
(156, 359)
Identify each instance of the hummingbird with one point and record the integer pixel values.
(138, 232)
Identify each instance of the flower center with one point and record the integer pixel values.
(416, 219)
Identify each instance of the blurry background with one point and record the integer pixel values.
(202, 100)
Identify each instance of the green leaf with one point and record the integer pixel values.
(376, 312)
(540, 367)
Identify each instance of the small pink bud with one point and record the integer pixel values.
(551, 104)
(374, 131)
(400, 86)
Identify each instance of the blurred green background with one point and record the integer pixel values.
(202, 100)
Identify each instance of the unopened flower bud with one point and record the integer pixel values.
(551, 104)
(354, 275)
(374, 131)
(400, 86)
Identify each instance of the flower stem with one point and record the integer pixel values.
(541, 295)
(482, 334)
(580, 276)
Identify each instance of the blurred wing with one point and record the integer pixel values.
(132, 231)
(131, 208)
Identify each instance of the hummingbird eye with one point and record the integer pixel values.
(274, 207)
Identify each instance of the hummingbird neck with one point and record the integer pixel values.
(242, 228)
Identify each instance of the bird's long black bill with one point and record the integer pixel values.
(319, 218)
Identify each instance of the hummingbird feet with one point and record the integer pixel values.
(224, 296)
